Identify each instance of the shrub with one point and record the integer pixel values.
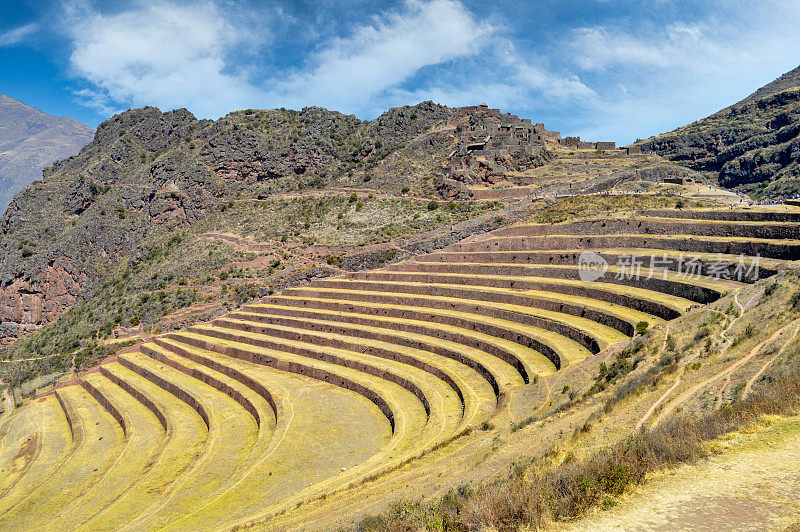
(334, 260)
(405, 190)
(353, 198)
(433, 205)
(529, 497)
(795, 299)
(769, 289)
(641, 328)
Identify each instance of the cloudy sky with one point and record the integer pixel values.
(602, 69)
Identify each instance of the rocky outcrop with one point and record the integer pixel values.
(148, 173)
(753, 146)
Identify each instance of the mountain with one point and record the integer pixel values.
(751, 146)
(30, 140)
(790, 80)
(160, 207)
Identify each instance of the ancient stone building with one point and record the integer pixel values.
(578, 144)
(491, 143)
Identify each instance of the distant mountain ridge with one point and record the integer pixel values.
(752, 146)
(787, 81)
(30, 140)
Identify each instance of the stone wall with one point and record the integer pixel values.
(727, 215)
(137, 394)
(330, 304)
(656, 227)
(299, 317)
(688, 244)
(647, 259)
(170, 387)
(262, 359)
(233, 373)
(67, 414)
(692, 292)
(215, 383)
(106, 404)
(270, 329)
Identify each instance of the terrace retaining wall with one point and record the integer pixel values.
(293, 367)
(107, 404)
(136, 394)
(688, 244)
(170, 387)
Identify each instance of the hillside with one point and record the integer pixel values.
(752, 146)
(475, 383)
(29, 141)
(788, 81)
(507, 331)
(164, 219)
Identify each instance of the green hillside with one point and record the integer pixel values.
(752, 146)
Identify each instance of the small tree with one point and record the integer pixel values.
(641, 328)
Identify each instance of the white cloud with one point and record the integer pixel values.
(158, 53)
(676, 72)
(174, 54)
(17, 35)
(386, 53)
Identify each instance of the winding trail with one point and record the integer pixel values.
(749, 386)
(11, 360)
(721, 391)
(724, 373)
(666, 394)
(7, 399)
(723, 335)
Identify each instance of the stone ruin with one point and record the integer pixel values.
(577, 143)
(491, 143)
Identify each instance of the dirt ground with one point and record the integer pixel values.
(754, 484)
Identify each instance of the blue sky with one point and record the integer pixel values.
(602, 69)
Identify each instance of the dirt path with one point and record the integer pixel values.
(723, 336)
(724, 373)
(7, 399)
(11, 360)
(724, 333)
(721, 391)
(754, 378)
(753, 486)
(238, 242)
(666, 394)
